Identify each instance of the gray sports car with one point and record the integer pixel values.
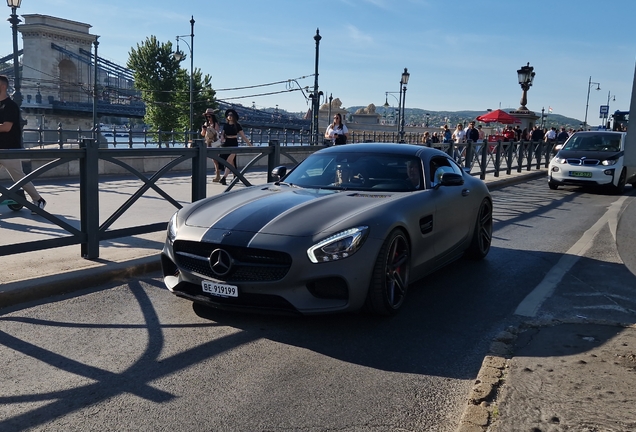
(349, 228)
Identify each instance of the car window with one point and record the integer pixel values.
(355, 171)
(598, 142)
(440, 165)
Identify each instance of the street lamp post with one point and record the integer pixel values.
(403, 82)
(542, 116)
(14, 20)
(526, 76)
(95, 78)
(427, 118)
(179, 56)
(587, 103)
(316, 98)
(386, 106)
(606, 118)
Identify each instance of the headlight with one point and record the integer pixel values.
(172, 228)
(338, 246)
(561, 160)
(609, 162)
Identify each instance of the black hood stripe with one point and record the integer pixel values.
(255, 215)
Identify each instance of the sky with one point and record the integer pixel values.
(461, 55)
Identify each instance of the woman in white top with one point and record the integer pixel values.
(459, 135)
(336, 131)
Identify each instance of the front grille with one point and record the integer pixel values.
(249, 264)
(586, 162)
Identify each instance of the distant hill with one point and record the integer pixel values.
(417, 116)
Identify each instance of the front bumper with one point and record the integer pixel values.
(566, 174)
(296, 287)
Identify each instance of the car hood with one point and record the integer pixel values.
(578, 154)
(284, 210)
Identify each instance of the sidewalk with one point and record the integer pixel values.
(563, 375)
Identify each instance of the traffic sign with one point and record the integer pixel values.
(604, 110)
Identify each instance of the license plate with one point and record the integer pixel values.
(219, 289)
(580, 174)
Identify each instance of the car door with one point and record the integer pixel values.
(451, 207)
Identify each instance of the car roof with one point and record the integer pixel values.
(596, 132)
(393, 148)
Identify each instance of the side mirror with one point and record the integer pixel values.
(452, 179)
(279, 172)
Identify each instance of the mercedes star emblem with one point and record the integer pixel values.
(220, 262)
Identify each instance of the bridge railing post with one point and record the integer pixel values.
(273, 159)
(89, 198)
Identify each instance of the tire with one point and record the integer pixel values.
(482, 237)
(390, 277)
(553, 185)
(620, 187)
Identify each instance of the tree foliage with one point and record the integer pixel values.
(165, 86)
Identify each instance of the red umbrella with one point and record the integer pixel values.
(498, 116)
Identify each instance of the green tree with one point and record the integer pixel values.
(165, 86)
(155, 73)
(203, 97)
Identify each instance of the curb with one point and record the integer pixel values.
(481, 412)
(35, 289)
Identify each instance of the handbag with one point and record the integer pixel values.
(216, 143)
(340, 139)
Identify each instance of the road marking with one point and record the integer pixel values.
(533, 301)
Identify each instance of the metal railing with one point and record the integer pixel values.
(88, 154)
(476, 158)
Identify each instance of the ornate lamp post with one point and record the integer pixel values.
(14, 20)
(526, 76)
(403, 82)
(587, 103)
(316, 99)
(386, 106)
(178, 55)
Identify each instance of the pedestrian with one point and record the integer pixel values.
(337, 132)
(551, 135)
(518, 133)
(447, 134)
(229, 138)
(426, 138)
(435, 138)
(211, 131)
(459, 134)
(509, 134)
(472, 133)
(537, 134)
(459, 137)
(563, 135)
(11, 138)
(482, 134)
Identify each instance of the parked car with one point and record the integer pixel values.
(349, 228)
(594, 158)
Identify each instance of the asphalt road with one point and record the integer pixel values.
(131, 356)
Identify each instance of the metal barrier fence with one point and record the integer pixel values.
(91, 232)
(475, 158)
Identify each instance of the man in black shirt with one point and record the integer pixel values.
(11, 138)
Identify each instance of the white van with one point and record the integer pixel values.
(594, 158)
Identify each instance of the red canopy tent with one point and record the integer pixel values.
(498, 116)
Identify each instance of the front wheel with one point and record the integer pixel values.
(553, 185)
(620, 187)
(482, 237)
(390, 278)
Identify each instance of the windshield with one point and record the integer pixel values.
(355, 171)
(598, 142)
